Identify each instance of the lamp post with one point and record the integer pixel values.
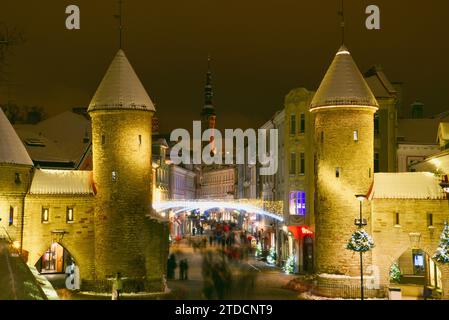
(361, 223)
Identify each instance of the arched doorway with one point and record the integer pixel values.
(55, 260)
(308, 254)
(417, 275)
(59, 267)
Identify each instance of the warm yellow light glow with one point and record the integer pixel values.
(16, 244)
(372, 108)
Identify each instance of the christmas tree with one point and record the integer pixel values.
(259, 250)
(289, 266)
(360, 241)
(442, 253)
(395, 273)
(271, 259)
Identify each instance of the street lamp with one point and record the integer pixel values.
(361, 223)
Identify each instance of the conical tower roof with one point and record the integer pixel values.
(343, 85)
(121, 89)
(12, 150)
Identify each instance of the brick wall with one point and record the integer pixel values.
(337, 206)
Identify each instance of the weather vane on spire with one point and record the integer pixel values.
(119, 16)
(342, 24)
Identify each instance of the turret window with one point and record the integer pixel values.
(70, 215)
(356, 135)
(322, 136)
(140, 140)
(45, 215)
(114, 176)
(337, 172)
(11, 216)
(18, 178)
(103, 139)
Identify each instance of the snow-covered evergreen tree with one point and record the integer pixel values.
(442, 253)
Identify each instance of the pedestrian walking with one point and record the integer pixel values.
(117, 287)
(186, 269)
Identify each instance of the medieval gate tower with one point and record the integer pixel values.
(126, 240)
(344, 142)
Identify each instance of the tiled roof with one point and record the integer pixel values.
(343, 85)
(61, 182)
(12, 150)
(408, 185)
(121, 88)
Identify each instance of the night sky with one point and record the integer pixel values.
(260, 49)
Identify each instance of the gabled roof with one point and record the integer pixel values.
(12, 150)
(407, 185)
(343, 85)
(121, 88)
(62, 182)
(379, 83)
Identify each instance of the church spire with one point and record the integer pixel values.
(342, 23)
(119, 17)
(208, 90)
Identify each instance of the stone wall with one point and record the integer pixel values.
(122, 176)
(337, 206)
(392, 240)
(78, 239)
(14, 184)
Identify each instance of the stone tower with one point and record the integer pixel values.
(344, 108)
(126, 240)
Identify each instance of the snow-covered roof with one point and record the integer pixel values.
(438, 164)
(61, 182)
(62, 139)
(343, 85)
(12, 150)
(407, 185)
(443, 131)
(121, 88)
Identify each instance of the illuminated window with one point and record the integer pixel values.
(114, 176)
(356, 135)
(45, 215)
(293, 124)
(70, 215)
(11, 216)
(297, 203)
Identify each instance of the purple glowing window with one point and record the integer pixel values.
(298, 203)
